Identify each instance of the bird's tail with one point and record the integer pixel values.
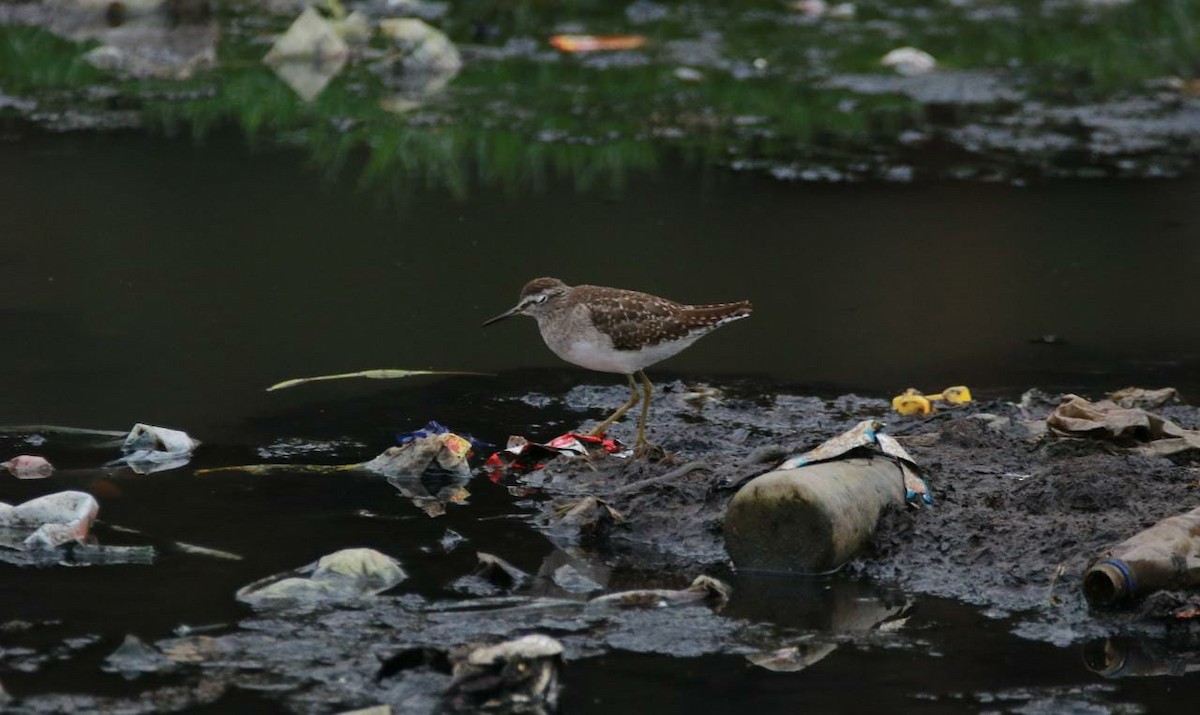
(718, 313)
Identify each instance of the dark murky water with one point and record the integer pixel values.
(149, 280)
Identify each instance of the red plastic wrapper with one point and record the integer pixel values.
(521, 455)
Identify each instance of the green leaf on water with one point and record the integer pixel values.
(372, 374)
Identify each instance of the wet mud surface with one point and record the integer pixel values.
(1018, 511)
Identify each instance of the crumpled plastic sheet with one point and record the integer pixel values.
(49, 521)
(868, 434)
(419, 450)
(1156, 435)
(521, 455)
(341, 576)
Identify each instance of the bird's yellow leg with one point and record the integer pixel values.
(633, 400)
(646, 408)
(643, 445)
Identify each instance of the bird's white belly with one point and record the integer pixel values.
(601, 356)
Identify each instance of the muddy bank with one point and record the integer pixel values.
(1018, 511)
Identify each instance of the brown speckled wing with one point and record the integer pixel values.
(635, 320)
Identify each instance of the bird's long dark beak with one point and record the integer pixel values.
(506, 314)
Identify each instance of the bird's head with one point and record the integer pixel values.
(537, 297)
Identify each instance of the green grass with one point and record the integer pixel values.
(33, 60)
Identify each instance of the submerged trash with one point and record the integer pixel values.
(912, 402)
(153, 449)
(134, 658)
(792, 659)
(909, 61)
(500, 572)
(597, 43)
(494, 575)
(341, 576)
(431, 492)
(381, 374)
(702, 589)
(588, 519)
(1122, 658)
(1155, 435)
(48, 521)
(1164, 556)
(28, 466)
(451, 540)
(516, 676)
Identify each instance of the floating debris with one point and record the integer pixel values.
(28, 466)
(151, 449)
(383, 374)
(48, 522)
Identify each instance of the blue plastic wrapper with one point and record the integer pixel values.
(434, 427)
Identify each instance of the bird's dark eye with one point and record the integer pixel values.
(541, 298)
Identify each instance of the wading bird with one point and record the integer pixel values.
(616, 330)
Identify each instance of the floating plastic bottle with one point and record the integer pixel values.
(1167, 555)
